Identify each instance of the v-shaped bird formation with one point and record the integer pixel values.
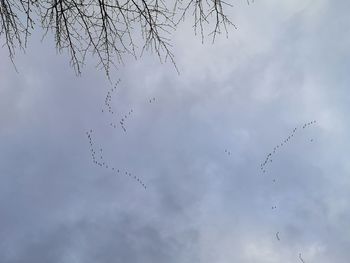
(117, 119)
(97, 159)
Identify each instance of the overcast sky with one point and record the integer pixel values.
(197, 146)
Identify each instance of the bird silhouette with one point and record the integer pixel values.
(277, 236)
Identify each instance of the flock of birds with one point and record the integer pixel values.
(268, 161)
(108, 108)
(97, 158)
(97, 155)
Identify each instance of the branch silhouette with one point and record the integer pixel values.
(107, 29)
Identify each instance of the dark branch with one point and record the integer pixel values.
(108, 29)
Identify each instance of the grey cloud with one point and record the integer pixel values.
(244, 94)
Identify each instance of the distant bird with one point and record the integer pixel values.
(277, 236)
(301, 259)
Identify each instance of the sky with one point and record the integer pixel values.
(196, 140)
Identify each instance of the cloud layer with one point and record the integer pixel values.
(284, 66)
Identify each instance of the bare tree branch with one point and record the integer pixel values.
(108, 29)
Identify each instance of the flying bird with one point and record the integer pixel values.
(277, 236)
